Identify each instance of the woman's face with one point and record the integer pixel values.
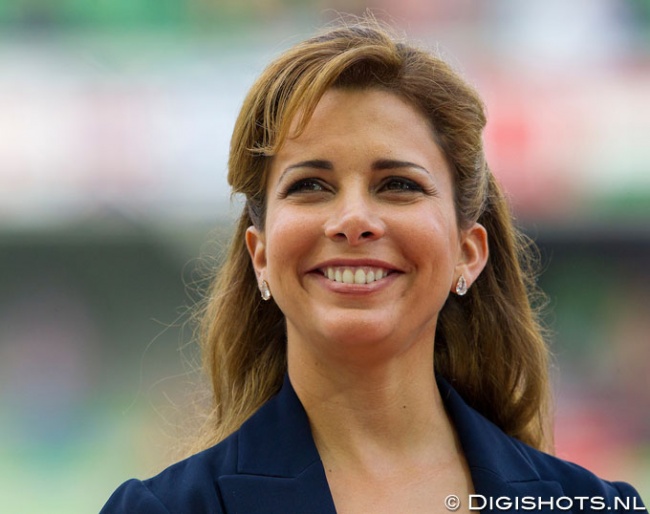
(361, 244)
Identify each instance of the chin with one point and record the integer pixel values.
(358, 333)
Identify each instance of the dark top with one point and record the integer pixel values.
(271, 466)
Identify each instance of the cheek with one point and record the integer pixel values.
(290, 237)
(427, 231)
(432, 246)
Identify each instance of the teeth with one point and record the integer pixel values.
(348, 275)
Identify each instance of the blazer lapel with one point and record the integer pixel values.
(496, 494)
(278, 467)
(250, 494)
(501, 472)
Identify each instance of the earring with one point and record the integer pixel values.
(265, 291)
(461, 286)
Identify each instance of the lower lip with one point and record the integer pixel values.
(355, 289)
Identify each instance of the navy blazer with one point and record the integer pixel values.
(271, 466)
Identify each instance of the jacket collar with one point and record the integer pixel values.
(276, 440)
(279, 469)
(484, 444)
(278, 466)
(498, 464)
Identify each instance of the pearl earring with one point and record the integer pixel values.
(461, 286)
(265, 291)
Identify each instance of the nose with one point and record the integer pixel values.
(354, 220)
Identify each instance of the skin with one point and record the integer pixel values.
(366, 185)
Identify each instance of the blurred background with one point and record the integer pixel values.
(115, 119)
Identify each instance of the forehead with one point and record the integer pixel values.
(359, 108)
(359, 122)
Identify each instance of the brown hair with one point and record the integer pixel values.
(489, 343)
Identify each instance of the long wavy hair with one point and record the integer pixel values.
(489, 344)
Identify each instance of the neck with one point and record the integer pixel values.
(383, 414)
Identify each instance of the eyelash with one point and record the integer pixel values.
(410, 185)
(299, 187)
(313, 185)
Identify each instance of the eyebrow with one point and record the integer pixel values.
(379, 165)
(318, 164)
(391, 164)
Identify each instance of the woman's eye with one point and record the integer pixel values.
(401, 184)
(308, 185)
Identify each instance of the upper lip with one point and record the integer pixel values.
(352, 263)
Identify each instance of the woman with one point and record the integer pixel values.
(392, 360)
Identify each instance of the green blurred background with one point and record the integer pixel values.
(115, 117)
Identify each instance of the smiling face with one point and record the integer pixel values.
(361, 245)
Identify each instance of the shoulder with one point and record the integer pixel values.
(576, 482)
(502, 466)
(273, 447)
(185, 487)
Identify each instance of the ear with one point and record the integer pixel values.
(474, 253)
(256, 244)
